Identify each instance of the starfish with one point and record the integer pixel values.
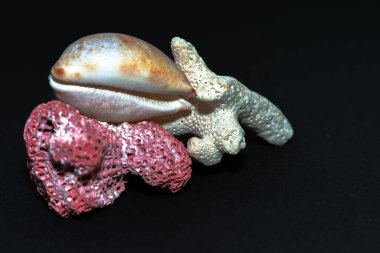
(221, 102)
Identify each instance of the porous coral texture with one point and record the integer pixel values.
(79, 164)
(154, 154)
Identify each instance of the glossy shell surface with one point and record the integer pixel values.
(116, 78)
(119, 61)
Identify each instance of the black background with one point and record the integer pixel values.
(318, 193)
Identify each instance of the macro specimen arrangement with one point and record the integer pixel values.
(121, 100)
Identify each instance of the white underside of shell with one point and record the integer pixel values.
(115, 105)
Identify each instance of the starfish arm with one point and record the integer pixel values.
(208, 86)
(189, 62)
(226, 133)
(264, 118)
(204, 150)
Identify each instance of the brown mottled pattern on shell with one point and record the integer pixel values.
(146, 58)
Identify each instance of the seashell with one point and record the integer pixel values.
(116, 78)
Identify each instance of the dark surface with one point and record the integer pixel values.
(318, 193)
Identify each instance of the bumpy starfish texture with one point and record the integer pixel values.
(220, 103)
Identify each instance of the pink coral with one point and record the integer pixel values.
(79, 164)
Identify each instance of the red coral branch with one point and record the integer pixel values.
(79, 164)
